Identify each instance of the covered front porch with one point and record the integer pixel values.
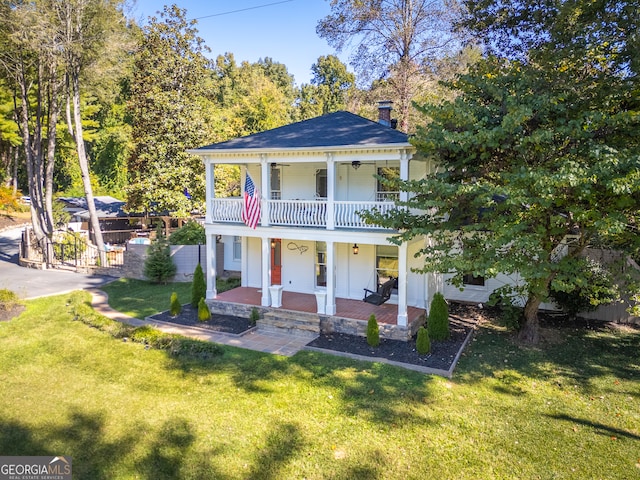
(351, 316)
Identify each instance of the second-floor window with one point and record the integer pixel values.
(276, 184)
(321, 183)
(386, 192)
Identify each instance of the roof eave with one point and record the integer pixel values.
(203, 151)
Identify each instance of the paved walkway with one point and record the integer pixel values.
(275, 343)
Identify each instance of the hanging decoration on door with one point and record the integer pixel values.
(295, 246)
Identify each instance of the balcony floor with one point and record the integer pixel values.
(386, 313)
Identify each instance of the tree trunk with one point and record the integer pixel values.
(530, 332)
(84, 165)
(33, 162)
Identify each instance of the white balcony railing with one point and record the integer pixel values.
(299, 213)
(306, 213)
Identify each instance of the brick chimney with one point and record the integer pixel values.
(384, 112)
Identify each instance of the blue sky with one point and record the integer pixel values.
(254, 29)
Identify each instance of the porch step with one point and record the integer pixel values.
(290, 322)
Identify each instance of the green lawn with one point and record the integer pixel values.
(570, 410)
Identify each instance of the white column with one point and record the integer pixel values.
(402, 285)
(210, 191)
(330, 308)
(266, 272)
(331, 191)
(210, 267)
(404, 172)
(244, 262)
(265, 190)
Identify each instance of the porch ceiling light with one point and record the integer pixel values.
(355, 248)
(355, 164)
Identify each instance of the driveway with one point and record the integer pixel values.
(31, 283)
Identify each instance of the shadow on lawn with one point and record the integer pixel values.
(601, 428)
(576, 352)
(383, 392)
(170, 449)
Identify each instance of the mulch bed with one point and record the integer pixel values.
(441, 357)
(218, 323)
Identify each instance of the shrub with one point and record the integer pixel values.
(204, 313)
(255, 316)
(191, 233)
(159, 266)
(198, 286)
(175, 308)
(590, 286)
(438, 320)
(373, 332)
(509, 315)
(9, 299)
(423, 343)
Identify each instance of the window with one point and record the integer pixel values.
(386, 264)
(385, 192)
(471, 279)
(237, 248)
(276, 187)
(321, 264)
(321, 183)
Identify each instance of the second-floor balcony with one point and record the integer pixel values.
(300, 213)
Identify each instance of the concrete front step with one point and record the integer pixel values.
(290, 322)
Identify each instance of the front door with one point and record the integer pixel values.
(276, 262)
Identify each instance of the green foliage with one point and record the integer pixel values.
(198, 286)
(423, 342)
(438, 320)
(204, 314)
(159, 266)
(169, 105)
(175, 307)
(532, 151)
(373, 332)
(9, 299)
(69, 245)
(191, 233)
(254, 316)
(175, 345)
(588, 287)
(509, 314)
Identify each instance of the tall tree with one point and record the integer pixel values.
(31, 61)
(539, 155)
(396, 39)
(333, 82)
(170, 104)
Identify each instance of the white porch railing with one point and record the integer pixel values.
(306, 213)
(346, 213)
(225, 210)
(299, 213)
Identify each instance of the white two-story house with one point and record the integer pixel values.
(310, 250)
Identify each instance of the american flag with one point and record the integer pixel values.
(251, 205)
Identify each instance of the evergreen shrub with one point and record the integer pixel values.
(159, 266)
(175, 308)
(198, 286)
(373, 332)
(438, 320)
(204, 313)
(423, 342)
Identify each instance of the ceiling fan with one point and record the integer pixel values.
(357, 163)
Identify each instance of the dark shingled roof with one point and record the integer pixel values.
(334, 129)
